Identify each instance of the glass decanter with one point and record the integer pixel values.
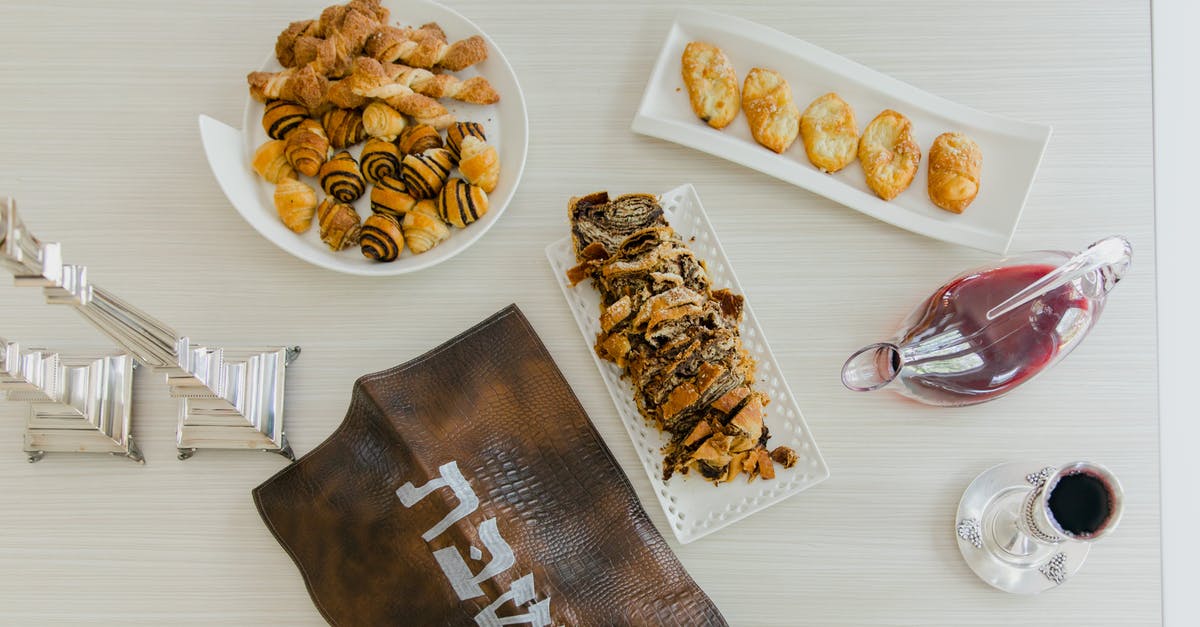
(990, 329)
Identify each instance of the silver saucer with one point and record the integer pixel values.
(992, 542)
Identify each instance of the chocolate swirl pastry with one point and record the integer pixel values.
(339, 224)
(281, 117)
(341, 178)
(677, 340)
(390, 196)
(460, 130)
(345, 127)
(461, 203)
(379, 158)
(418, 138)
(380, 238)
(307, 147)
(424, 174)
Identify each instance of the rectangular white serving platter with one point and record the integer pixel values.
(694, 506)
(1012, 150)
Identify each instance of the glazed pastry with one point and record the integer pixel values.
(774, 118)
(391, 197)
(339, 224)
(955, 163)
(295, 202)
(379, 158)
(425, 173)
(461, 203)
(418, 138)
(423, 229)
(888, 153)
(381, 238)
(480, 164)
(459, 130)
(271, 163)
(344, 126)
(711, 84)
(419, 47)
(341, 178)
(307, 147)
(382, 121)
(280, 117)
(829, 132)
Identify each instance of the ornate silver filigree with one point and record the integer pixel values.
(1036, 479)
(969, 530)
(1055, 569)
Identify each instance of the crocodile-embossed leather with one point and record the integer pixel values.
(493, 403)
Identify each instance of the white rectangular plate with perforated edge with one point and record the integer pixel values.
(1012, 150)
(695, 507)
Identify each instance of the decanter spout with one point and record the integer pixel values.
(872, 367)
(1111, 257)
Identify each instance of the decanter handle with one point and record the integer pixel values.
(1110, 257)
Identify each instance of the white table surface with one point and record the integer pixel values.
(98, 142)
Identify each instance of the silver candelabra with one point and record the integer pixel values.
(77, 403)
(228, 398)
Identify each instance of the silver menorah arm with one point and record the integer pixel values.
(231, 398)
(77, 403)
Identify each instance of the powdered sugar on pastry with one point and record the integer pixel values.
(711, 83)
(773, 115)
(889, 154)
(830, 133)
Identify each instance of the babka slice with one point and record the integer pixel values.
(675, 339)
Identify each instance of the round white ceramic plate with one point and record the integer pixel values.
(506, 124)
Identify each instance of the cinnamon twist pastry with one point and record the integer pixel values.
(371, 80)
(425, 48)
(329, 44)
(300, 85)
(474, 90)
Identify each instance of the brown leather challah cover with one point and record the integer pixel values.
(468, 487)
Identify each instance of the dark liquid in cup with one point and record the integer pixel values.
(1081, 503)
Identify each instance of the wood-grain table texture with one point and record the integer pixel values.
(99, 142)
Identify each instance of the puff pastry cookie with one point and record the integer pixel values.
(711, 83)
(888, 153)
(955, 163)
(773, 115)
(829, 132)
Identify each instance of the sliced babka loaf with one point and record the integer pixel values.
(675, 339)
